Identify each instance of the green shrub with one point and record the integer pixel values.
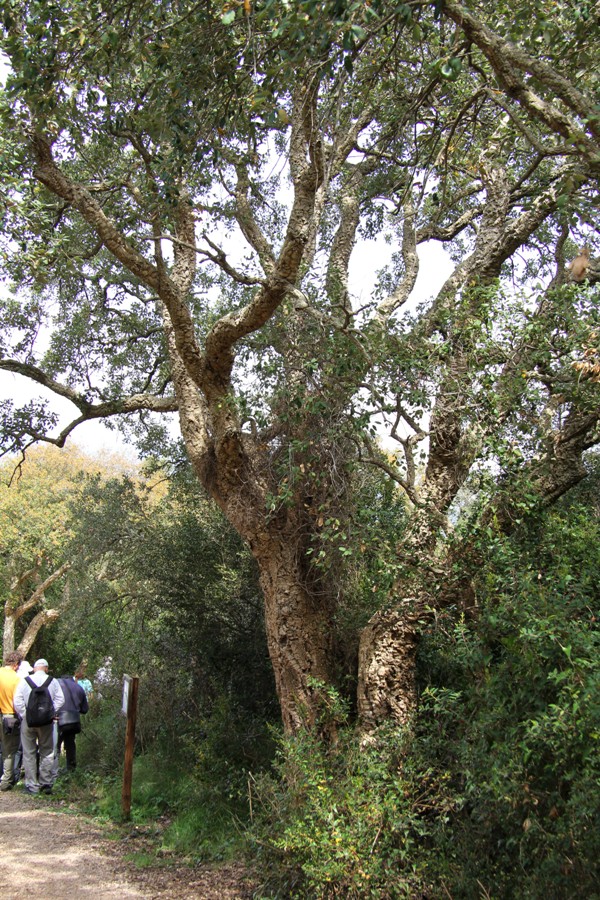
(346, 822)
(100, 746)
(512, 710)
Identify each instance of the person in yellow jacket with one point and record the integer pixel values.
(10, 725)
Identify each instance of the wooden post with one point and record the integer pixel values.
(130, 696)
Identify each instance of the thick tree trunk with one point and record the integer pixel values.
(299, 631)
(297, 616)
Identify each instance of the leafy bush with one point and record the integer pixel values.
(191, 794)
(346, 822)
(182, 610)
(512, 710)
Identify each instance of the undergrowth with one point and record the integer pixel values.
(189, 796)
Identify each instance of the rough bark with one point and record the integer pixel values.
(299, 631)
(509, 61)
(297, 621)
(387, 689)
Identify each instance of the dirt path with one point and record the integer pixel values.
(61, 856)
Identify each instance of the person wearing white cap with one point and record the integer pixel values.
(38, 737)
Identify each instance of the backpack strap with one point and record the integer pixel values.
(33, 685)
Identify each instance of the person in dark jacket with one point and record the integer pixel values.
(69, 718)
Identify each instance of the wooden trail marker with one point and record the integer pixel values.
(130, 696)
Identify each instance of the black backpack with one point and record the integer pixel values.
(40, 708)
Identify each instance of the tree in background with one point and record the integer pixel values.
(183, 190)
(37, 539)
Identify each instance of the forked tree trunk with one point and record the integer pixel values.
(41, 619)
(297, 618)
(14, 610)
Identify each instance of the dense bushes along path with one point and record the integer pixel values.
(46, 852)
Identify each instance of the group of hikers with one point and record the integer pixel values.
(39, 714)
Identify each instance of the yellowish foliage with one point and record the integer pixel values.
(35, 518)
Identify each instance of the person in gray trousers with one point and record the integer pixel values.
(38, 738)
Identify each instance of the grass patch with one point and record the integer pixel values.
(202, 832)
(141, 859)
(176, 813)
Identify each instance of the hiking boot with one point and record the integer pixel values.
(6, 787)
(29, 790)
(45, 789)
